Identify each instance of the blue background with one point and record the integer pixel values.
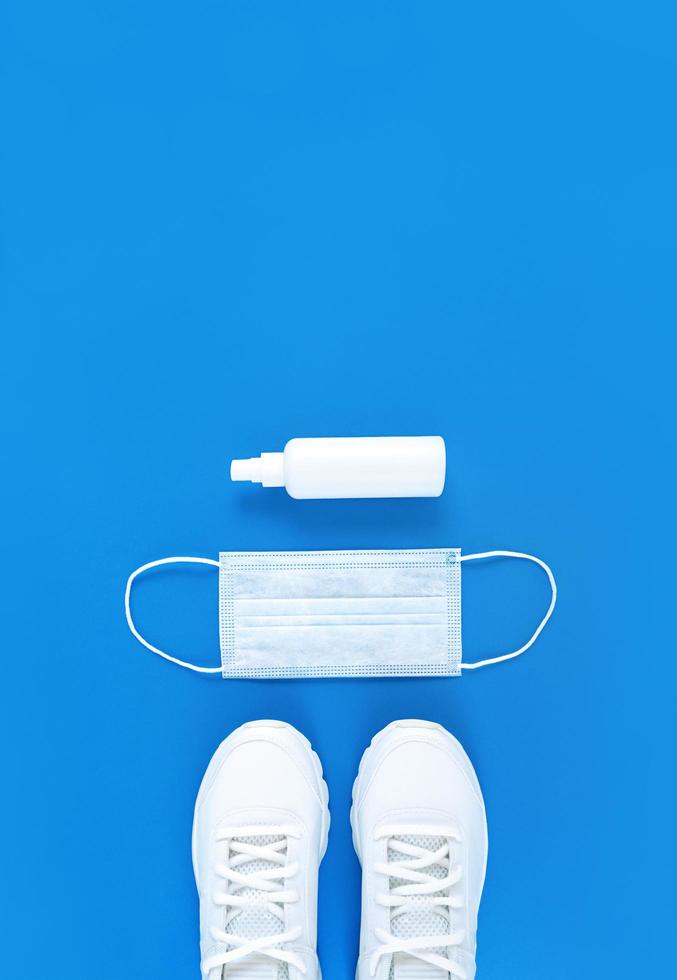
(226, 224)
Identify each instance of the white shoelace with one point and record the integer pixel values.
(423, 889)
(259, 890)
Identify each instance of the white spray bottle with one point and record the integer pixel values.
(366, 466)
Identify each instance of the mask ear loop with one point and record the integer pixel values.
(130, 621)
(541, 625)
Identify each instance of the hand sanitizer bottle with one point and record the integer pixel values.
(366, 466)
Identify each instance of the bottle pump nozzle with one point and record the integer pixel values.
(268, 469)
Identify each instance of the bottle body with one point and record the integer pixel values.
(365, 466)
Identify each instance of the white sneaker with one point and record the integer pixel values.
(259, 834)
(420, 832)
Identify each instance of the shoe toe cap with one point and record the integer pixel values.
(262, 766)
(419, 766)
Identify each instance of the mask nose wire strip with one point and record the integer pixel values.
(128, 611)
(541, 625)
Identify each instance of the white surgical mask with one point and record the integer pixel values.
(340, 613)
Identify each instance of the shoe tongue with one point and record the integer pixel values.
(410, 968)
(254, 968)
(422, 919)
(256, 922)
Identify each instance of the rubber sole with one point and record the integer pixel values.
(411, 723)
(224, 748)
